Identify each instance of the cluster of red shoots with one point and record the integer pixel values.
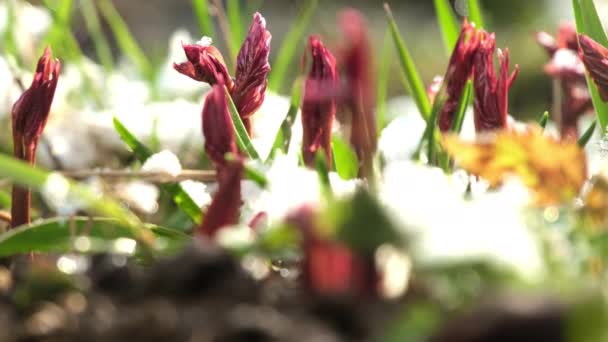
(323, 95)
(328, 266)
(566, 67)
(473, 57)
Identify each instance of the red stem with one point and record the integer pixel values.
(21, 196)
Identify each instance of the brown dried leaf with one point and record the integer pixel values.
(554, 170)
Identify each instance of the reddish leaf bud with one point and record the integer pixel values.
(547, 41)
(252, 69)
(566, 67)
(217, 126)
(491, 93)
(319, 103)
(433, 89)
(566, 37)
(359, 82)
(204, 63)
(459, 71)
(595, 58)
(29, 117)
(224, 209)
(31, 111)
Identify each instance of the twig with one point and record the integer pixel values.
(222, 20)
(149, 176)
(5, 216)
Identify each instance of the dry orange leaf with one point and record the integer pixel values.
(554, 170)
(595, 201)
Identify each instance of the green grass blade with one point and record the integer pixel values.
(584, 139)
(242, 138)
(10, 44)
(140, 150)
(592, 23)
(542, 121)
(205, 23)
(233, 12)
(256, 176)
(59, 235)
(414, 81)
(475, 13)
(448, 24)
(293, 39)
(60, 36)
(36, 179)
(587, 22)
(323, 173)
(345, 159)
(102, 47)
(283, 136)
(125, 39)
(66, 46)
(383, 79)
(251, 173)
(431, 131)
(462, 108)
(5, 199)
(181, 198)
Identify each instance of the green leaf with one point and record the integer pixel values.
(361, 222)
(585, 320)
(289, 46)
(140, 150)
(60, 36)
(383, 79)
(5, 199)
(10, 43)
(475, 14)
(414, 81)
(584, 139)
(283, 136)
(448, 24)
(205, 24)
(417, 323)
(242, 138)
(65, 44)
(588, 22)
(346, 161)
(544, 119)
(233, 12)
(175, 190)
(323, 172)
(592, 25)
(37, 179)
(251, 173)
(279, 242)
(430, 133)
(102, 47)
(125, 39)
(462, 108)
(59, 235)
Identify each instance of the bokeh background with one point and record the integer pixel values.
(515, 21)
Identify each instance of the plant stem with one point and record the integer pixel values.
(149, 176)
(20, 210)
(222, 20)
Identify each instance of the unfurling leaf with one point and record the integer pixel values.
(554, 170)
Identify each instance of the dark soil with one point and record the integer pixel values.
(203, 294)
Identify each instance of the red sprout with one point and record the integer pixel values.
(29, 116)
(318, 108)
